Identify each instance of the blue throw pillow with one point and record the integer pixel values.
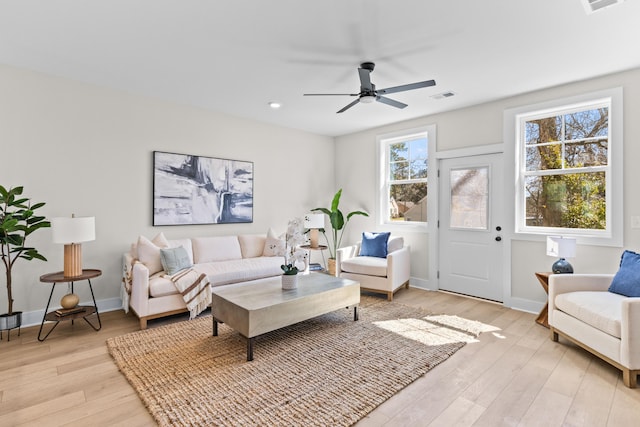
(374, 244)
(174, 259)
(627, 280)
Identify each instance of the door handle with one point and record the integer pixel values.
(498, 238)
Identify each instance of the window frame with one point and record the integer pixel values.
(514, 122)
(383, 171)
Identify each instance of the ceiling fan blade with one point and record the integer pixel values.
(331, 94)
(349, 106)
(390, 101)
(365, 79)
(403, 88)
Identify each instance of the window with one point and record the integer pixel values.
(566, 173)
(404, 178)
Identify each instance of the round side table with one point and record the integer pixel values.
(83, 311)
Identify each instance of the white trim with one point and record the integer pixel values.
(615, 206)
(471, 151)
(381, 141)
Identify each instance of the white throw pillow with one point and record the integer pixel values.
(149, 252)
(212, 249)
(274, 245)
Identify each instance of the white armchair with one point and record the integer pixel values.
(604, 323)
(383, 275)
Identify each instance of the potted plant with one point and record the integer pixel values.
(293, 254)
(338, 225)
(17, 221)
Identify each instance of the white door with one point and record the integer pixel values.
(471, 223)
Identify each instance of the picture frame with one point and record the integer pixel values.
(190, 189)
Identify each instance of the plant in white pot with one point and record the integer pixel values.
(338, 225)
(293, 255)
(17, 221)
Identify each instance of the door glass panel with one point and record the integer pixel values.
(469, 198)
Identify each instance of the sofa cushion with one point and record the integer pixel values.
(602, 310)
(274, 245)
(174, 259)
(212, 249)
(374, 244)
(233, 271)
(371, 266)
(252, 245)
(161, 286)
(149, 252)
(185, 243)
(627, 280)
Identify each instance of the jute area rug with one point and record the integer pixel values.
(328, 371)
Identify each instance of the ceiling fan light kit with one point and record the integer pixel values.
(368, 92)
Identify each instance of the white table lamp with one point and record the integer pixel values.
(72, 232)
(561, 247)
(313, 222)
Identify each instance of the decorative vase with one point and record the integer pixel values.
(332, 266)
(69, 301)
(289, 281)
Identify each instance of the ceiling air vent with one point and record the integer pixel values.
(596, 5)
(447, 94)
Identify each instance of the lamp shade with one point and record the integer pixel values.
(561, 247)
(68, 230)
(314, 221)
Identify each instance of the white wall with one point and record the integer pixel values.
(483, 125)
(88, 150)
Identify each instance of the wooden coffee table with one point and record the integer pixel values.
(260, 306)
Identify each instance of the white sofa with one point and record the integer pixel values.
(604, 323)
(224, 259)
(382, 275)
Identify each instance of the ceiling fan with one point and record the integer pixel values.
(368, 92)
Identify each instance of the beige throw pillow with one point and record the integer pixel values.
(149, 252)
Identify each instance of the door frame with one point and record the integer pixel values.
(434, 253)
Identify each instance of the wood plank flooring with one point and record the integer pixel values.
(513, 376)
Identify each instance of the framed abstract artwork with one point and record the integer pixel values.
(191, 190)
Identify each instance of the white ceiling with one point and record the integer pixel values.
(236, 56)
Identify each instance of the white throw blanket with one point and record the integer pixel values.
(194, 288)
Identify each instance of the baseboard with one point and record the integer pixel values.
(421, 284)
(526, 305)
(34, 318)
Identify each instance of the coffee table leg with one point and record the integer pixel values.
(215, 327)
(249, 349)
(355, 313)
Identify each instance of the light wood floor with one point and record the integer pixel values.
(512, 376)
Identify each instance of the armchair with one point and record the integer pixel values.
(582, 310)
(382, 275)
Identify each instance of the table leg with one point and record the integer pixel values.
(215, 327)
(249, 349)
(45, 315)
(95, 305)
(355, 313)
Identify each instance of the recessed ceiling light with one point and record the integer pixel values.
(275, 105)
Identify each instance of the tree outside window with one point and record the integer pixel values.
(564, 168)
(407, 179)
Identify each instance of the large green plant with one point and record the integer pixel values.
(338, 222)
(17, 221)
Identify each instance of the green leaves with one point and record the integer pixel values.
(17, 221)
(337, 220)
